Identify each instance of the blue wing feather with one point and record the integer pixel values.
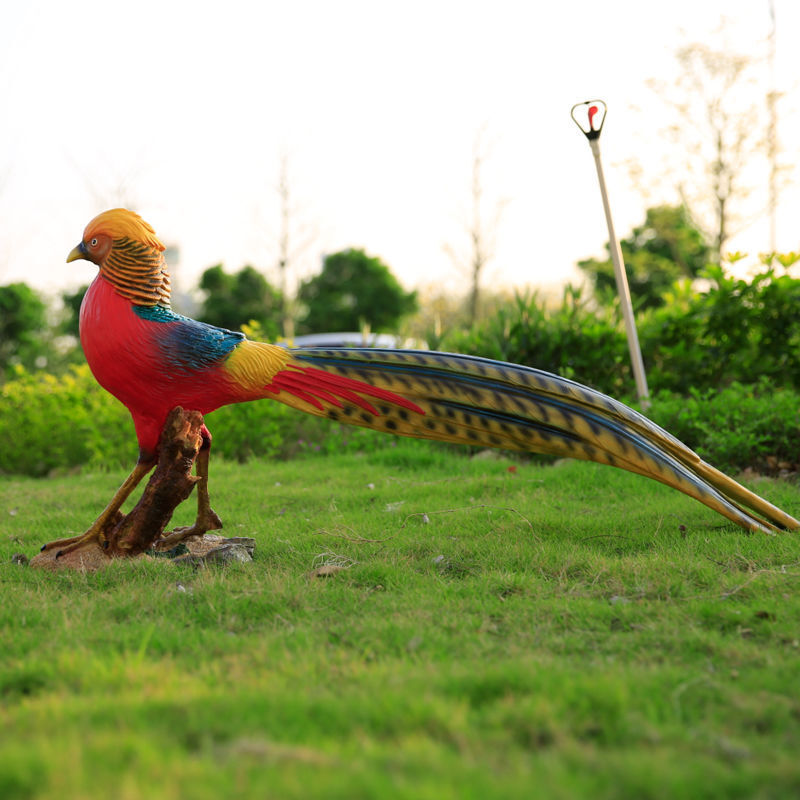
(185, 343)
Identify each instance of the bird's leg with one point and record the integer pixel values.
(96, 532)
(207, 519)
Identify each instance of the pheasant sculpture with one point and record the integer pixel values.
(153, 360)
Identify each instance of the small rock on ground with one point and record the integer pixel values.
(219, 550)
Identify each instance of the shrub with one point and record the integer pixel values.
(740, 426)
(60, 423)
(49, 422)
(738, 330)
(723, 365)
(54, 423)
(571, 340)
(267, 429)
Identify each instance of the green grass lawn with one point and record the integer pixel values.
(548, 632)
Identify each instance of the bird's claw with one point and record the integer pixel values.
(65, 546)
(206, 521)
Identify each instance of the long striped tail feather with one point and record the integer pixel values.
(470, 400)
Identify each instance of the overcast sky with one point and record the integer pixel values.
(182, 111)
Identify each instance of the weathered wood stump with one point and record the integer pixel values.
(130, 535)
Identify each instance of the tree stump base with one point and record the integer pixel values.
(131, 535)
(89, 557)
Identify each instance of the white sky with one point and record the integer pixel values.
(377, 106)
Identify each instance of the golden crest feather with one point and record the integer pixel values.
(120, 223)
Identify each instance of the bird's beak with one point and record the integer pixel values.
(78, 252)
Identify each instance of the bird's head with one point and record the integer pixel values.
(129, 255)
(113, 227)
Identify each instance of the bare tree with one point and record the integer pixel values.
(718, 133)
(287, 320)
(285, 242)
(113, 186)
(5, 250)
(481, 233)
(773, 146)
(722, 138)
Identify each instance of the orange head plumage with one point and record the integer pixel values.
(129, 254)
(111, 225)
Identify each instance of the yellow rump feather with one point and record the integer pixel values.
(253, 365)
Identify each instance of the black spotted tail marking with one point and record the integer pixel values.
(470, 400)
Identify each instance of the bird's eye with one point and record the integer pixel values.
(93, 243)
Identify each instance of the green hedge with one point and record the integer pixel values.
(57, 423)
(736, 331)
(572, 340)
(49, 422)
(756, 426)
(723, 365)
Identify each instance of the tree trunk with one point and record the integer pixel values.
(170, 484)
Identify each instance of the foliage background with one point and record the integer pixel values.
(722, 354)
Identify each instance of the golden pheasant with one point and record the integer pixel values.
(153, 359)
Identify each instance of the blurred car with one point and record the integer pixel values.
(356, 339)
